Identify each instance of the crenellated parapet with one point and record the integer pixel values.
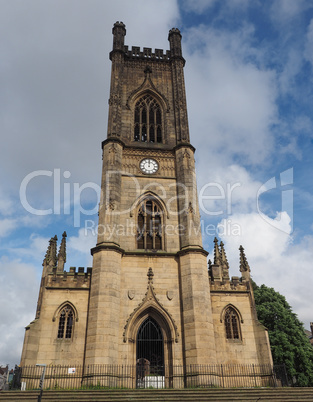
(146, 53)
(174, 37)
(235, 284)
(74, 278)
(119, 32)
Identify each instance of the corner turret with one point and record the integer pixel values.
(174, 38)
(119, 32)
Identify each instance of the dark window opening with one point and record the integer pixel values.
(69, 325)
(66, 322)
(61, 324)
(137, 132)
(159, 134)
(232, 324)
(151, 135)
(148, 120)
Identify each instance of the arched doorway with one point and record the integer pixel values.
(149, 349)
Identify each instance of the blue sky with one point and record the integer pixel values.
(249, 83)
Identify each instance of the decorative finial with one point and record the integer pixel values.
(223, 255)
(53, 251)
(217, 257)
(224, 262)
(50, 259)
(244, 266)
(62, 253)
(150, 275)
(47, 255)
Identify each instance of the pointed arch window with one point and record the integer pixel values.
(149, 226)
(66, 323)
(232, 324)
(148, 120)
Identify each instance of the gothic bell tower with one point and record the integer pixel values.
(149, 267)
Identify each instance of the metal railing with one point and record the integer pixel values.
(135, 376)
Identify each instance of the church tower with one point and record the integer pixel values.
(150, 297)
(149, 268)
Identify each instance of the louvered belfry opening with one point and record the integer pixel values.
(150, 349)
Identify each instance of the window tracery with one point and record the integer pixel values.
(149, 226)
(148, 120)
(232, 325)
(66, 321)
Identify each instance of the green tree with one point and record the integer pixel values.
(289, 344)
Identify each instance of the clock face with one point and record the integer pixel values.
(149, 166)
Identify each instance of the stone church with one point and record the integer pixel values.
(151, 293)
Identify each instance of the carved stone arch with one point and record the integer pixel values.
(164, 322)
(60, 308)
(147, 87)
(234, 308)
(149, 195)
(160, 315)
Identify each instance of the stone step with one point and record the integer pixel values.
(277, 394)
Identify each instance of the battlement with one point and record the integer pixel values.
(236, 284)
(146, 53)
(119, 32)
(74, 278)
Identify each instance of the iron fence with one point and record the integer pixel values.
(139, 376)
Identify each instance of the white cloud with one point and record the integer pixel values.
(274, 259)
(7, 226)
(35, 250)
(198, 6)
(6, 204)
(79, 246)
(234, 187)
(259, 237)
(233, 105)
(283, 11)
(17, 283)
(291, 68)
